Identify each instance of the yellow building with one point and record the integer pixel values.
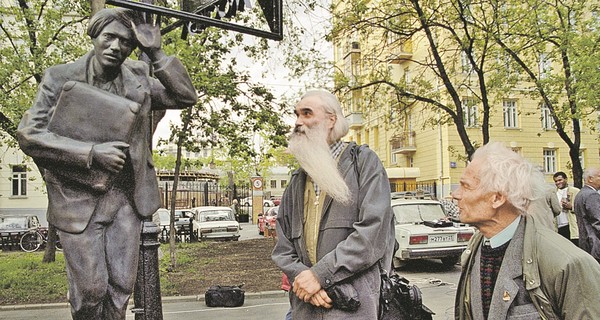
(421, 144)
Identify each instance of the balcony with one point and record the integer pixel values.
(355, 120)
(405, 52)
(403, 143)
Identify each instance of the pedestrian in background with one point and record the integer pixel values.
(514, 268)
(546, 208)
(335, 223)
(566, 221)
(587, 209)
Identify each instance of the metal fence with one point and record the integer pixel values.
(182, 234)
(202, 193)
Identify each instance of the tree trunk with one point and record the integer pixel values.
(50, 252)
(96, 5)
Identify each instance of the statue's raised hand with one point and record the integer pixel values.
(148, 37)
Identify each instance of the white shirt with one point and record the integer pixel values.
(562, 219)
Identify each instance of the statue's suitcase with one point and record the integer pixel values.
(224, 296)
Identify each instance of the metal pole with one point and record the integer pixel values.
(146, 297)
(146, 294)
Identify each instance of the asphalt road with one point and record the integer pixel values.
(437, 284)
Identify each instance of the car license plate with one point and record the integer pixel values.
(441, 238)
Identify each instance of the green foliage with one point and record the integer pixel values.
(26, 279)
(233, 108)
(34, 36)
(481, 49)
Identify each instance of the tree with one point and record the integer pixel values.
(481, 49)
(232, 106)
(34, 36)
(555, 45)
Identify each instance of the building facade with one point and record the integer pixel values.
(418, 143)
(22, 189)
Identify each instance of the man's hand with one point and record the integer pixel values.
(110, 155)
(321, 299)
(148, 38)
(306, 285)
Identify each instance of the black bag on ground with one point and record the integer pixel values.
(400, 300)
(224, 296)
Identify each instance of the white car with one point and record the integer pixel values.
(162, 218)
(247, 202)
(215, 223)
(424, 232)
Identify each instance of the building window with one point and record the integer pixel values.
(470, 113)
(510, 114)
(19, 180)
(393, 158)
(407, 76)
(465, 63)
(544, 65)
(283, 183)
(273, 184)
(410, 162)
(547, 120)
(550, 160)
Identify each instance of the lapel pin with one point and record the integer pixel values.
(506, 296)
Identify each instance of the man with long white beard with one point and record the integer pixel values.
(335, 224)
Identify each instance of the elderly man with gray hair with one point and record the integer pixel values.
(587, 210)
(335, 224)
(514, 268)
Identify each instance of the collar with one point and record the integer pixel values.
(505, 235)
(591, 187)
(336, 148)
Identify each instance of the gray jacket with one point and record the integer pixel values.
(352, 238)
(543, 276)
(587, 209)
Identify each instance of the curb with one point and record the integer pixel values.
(170, 299)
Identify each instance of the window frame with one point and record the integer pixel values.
(511, 114)
(18, 181)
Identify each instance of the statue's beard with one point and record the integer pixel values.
(309, 146)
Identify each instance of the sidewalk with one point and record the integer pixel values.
(249, 231)
(171, 299)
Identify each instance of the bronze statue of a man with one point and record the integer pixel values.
(99, 227)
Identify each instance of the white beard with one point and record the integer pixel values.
(311, 150)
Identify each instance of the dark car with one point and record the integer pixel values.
(183, 218)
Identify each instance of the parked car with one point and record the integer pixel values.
(215, 223)
(183, 217)
(18, 223)
(162, 218)
(424, 232)
(247, 202)
(267, 219)
(13, 227)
